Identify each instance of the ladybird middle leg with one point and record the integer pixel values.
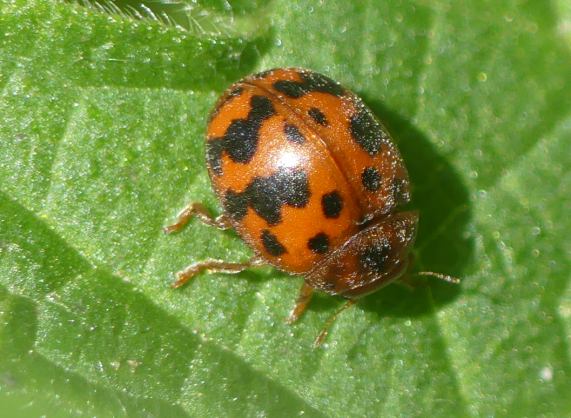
(213, 266)
(198, 210)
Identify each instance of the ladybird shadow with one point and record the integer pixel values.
(442, 243)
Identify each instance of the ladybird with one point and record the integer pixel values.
(311, 181)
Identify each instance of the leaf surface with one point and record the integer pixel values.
(101, 143)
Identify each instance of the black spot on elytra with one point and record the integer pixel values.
(235, 204)
(263, 74)
(240, 140)
(400, 191)
(318, 116)
(228, 96)
(367, 132)
(214, 150)
(332, 204)
(319, 244)
(293, 134)
(371, 179)
(267, 195)
(236, 91)
(374, 258)
(311, 82)
(272, 244)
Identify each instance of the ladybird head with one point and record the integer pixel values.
(369, 260)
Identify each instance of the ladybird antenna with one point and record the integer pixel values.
(325, 330)
(443, 277)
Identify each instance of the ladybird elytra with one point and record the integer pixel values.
(311, 181)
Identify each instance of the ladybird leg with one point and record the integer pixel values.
(321, 336)
(213, 266)
(198, 210)
(410, 284)
(444, 277)
(301, 304)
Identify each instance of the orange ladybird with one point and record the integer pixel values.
(311, 181)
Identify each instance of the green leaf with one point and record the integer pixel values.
(101, 143)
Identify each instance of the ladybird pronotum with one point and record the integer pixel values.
(311, 181)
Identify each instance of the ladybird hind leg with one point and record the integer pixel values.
(325, 330)
(301, 304)
(303, 299)
(213, 266)
(198, 210)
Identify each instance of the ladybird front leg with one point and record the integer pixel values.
(406, 279)
(198, 210)
(213, 266)
(301, 304)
